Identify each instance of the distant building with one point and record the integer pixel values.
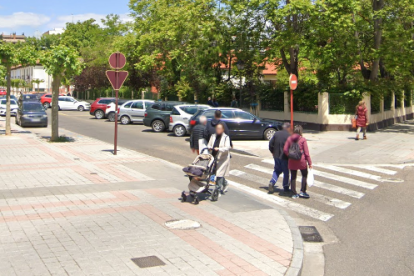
(55, 31)
(13, 38)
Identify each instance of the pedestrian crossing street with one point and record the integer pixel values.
(337, 186)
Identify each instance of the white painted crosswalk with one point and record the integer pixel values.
(329, 180)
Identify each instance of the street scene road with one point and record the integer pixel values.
(367, 190)
(196, 137)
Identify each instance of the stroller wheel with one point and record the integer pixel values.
(183, 197)
(215, 195)
(196, 201)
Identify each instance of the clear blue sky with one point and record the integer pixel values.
(29, 16)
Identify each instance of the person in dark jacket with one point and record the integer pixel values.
(215, 102)
(276, 145)
(234, 103)
(209, 101)
(198, 134)
(211, 126)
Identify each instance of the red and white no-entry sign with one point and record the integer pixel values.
(293, 82)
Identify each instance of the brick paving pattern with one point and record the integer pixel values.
(75, 209)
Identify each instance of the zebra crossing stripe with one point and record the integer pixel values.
(338, 189)
(317, 197)
(293, 206)
(345, 180)
(358, 173)
(318, 184)
(374, 169)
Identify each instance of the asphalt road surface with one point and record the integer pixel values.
(363, 213)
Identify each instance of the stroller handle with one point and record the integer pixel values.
(201, 152)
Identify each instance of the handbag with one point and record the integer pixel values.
(354, 122)
(311, 178)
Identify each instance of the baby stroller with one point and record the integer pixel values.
(202, 178)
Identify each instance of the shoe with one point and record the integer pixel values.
(365, 138)
(303, 195)
(271, 188)
(295, 197)
(286, 189)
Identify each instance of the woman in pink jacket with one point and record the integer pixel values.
(301, 164)
(362, 119)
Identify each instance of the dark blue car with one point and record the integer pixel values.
(241, 124)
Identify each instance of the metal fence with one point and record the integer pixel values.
(340, 103)
(273, 102)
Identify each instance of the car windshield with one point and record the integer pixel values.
(32, 107)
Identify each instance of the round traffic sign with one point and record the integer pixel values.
(117, 60)
(293, 82)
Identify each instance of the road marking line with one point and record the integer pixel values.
(317, 197)
(345, 180)
(374, 169)
(358, 173)
(293, 206)
(338, 189)
(318, 184)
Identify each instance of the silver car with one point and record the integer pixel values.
(133, 111)
(180, 117)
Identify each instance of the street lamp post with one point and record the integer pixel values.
(240, 67)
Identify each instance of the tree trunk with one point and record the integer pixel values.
(377, 6)
(55, 107)
(8, 117)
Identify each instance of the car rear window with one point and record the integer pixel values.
(32, 107)
(175, 111)
(128, 105)
(227, 114)
(156, 106)
(48, 96)
(190, 109)
(244, 115)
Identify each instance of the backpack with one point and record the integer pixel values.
(294, 151)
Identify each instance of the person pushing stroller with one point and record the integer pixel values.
(220, 145)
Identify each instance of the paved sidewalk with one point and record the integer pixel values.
(393, 145)
(75, 209)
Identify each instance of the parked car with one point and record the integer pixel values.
(70, 103)
(29, 97)
(99, 106)
(12, 97)
(241, 124)
(31, 113)
(133, 111)
(110, 109)
(158, 115)
(13, 107)
(180, 117)
(3, 92)
(46, 100)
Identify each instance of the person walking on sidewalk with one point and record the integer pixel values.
(219, 143)
(361, 120)
(296, 148)
(197, 141)
(276, 146)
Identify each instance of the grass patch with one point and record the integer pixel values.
(62, 139)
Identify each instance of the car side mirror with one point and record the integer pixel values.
(254, 120)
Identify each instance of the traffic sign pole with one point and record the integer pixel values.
(293, 83)
(116, 61)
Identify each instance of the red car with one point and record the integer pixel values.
(99, 106)
(3, 92)
(46, 100)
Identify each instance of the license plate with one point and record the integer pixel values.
(35, 120)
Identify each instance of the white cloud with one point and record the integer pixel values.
(22, 19)
(61, 21)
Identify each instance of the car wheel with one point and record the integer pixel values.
(81, 108)
(158, 126)
(111, 117)
(268, 134)
(16, 121)
(46, 105)
(179, 131)
(125, 120)
(99, 114)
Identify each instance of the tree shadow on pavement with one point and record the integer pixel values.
(3, 132)
(404, 127)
